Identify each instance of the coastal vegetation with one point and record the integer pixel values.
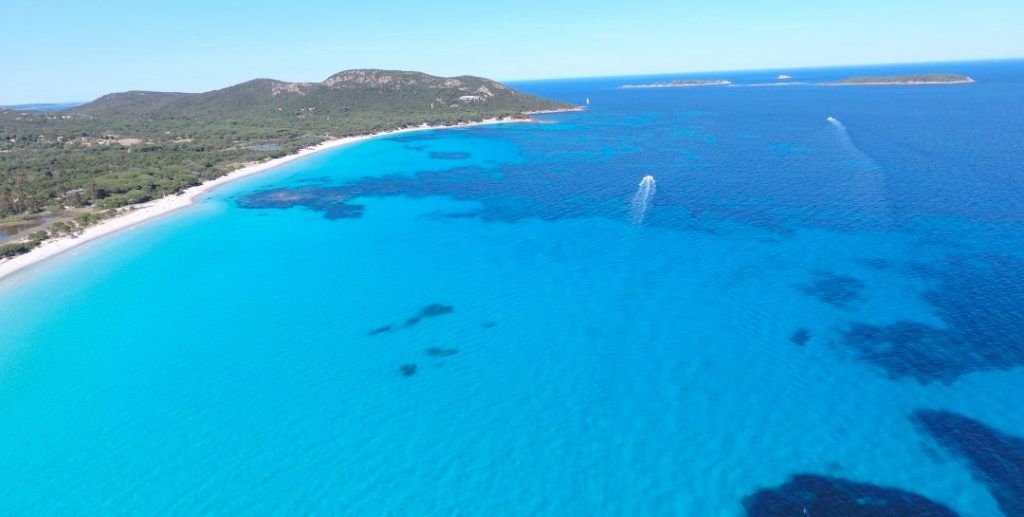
(905, 79)
(79, 165)
(33, 240)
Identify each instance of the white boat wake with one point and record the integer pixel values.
(642, 199)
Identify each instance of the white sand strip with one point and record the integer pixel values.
(148, 211)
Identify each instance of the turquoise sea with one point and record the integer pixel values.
(799, 316)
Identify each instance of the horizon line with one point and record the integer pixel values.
(643, 74)
(766, 69)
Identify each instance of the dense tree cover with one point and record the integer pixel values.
(17, 248)
(131, 147)
(12, 249)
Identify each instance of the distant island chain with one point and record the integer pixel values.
(894, 80)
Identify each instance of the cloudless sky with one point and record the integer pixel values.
(77, 50)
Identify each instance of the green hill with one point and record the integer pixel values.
(128, 104)
(268, 101)
(134, 146)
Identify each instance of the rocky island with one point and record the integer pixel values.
(903, 80)
(681, 83)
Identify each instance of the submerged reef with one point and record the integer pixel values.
(800, 337)
(908, 348)
(836, 290)
(510, 188)
(333, 203)
(380, 330)
(981, 304)
(430, 311)
(439, 155)
(813, 495)
(995, 459)
(507, 195)
(408, 370)
(441, 352)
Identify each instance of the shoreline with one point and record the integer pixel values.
(135, 215)
(545, 112)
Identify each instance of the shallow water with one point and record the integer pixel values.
(474, 321)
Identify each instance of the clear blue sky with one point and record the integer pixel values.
(66, 51)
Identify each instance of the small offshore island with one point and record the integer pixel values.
(131, 156)
(681, 83)
(913, 79)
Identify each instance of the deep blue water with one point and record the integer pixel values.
(805, 315)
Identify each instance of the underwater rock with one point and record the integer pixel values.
(441, 352)
(436, 309)
(379, 330)
(995, 458)
(430, 311)
(439, 155)
(489, 324)
(408, 370)
(813, 495)
(800, 337)
(836, 290)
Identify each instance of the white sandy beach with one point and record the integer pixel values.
(137, 214)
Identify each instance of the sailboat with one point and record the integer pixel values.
(588, 101)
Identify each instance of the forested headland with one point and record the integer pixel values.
(71, 167)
